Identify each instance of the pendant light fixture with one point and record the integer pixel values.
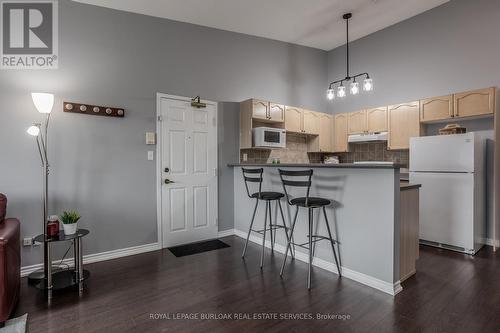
(354, 88)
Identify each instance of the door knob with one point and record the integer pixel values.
(168, 181)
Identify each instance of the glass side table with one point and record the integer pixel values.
(58, 278)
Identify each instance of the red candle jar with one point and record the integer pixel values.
(53, 226)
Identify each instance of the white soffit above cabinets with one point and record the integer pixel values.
(313, 23)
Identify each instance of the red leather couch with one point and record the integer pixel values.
(10, 262)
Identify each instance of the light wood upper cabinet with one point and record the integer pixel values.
(293, 119)
(324, 141)
(356, 122)
(436, 108)
(376, 119)
(404, 123)
(311, 122)
(276, 112)
(301, 121)
(260, 109)
(340, 133)
(325, 133)
(474, 103)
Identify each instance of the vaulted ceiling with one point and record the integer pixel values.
(313, 23)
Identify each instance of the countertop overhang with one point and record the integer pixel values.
(319, 165)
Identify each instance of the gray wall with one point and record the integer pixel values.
(228, 152)
(99, 165)
(448, 49)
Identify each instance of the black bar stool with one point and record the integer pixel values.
(310, 203)
(268, 197)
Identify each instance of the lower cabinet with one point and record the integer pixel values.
(404, 123)
(409, 232)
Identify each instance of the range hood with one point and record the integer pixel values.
(382, 136)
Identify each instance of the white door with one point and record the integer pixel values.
(188, 171)
(446, 208)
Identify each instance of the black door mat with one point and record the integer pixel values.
(194, 248)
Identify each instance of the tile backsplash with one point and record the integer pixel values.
(296, 152)
(373, 151)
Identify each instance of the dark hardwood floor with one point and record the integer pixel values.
(450, 293)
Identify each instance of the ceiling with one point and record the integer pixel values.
(313, 23)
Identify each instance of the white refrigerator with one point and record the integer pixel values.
(450, 169)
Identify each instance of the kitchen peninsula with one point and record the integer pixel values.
(373, 218)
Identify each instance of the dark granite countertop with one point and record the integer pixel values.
(319, 165)
(407, 186)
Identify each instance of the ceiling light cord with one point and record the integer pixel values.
(347, 17)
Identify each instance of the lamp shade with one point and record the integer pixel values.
(33, 130)
(43, 102)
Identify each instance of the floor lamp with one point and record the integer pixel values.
(44, 103)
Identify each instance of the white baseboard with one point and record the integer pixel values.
(225, 233)
(96, 257)
(492, 242)
(386, 287)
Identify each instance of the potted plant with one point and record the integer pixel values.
(69, 220)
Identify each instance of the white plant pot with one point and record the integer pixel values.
(70, 229)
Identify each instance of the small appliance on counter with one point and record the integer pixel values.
(269, 137)
(331, 160)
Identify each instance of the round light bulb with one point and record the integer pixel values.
(43, 102)
(354, 88)
(330, 94)
(368, 84)
(341, 91)
(33, 130)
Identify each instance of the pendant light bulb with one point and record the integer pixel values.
(330, 94)
(341, 91)
(354, 88)
(368, 84)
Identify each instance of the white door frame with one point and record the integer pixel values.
(159, 201)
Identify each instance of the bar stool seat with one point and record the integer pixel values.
(267, 195)
(311, 202)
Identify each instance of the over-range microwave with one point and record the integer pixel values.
(269, 137)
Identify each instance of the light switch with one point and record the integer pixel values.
(150, 138)
(150, 155)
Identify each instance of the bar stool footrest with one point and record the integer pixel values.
(273, 227)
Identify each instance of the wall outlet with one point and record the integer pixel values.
(150, 155)
(245, 157)
(28, 241)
